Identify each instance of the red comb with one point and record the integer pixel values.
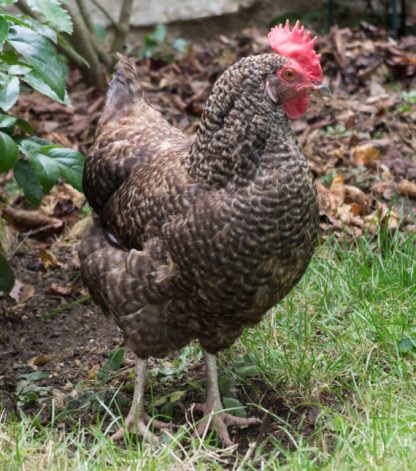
(297, 45)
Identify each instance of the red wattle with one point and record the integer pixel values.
(295, 107)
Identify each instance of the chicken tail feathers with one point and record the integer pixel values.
(124, 90)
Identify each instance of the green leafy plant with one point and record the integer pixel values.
(113, 363)
(28, 392)
(409, 100)
(337, 131)
(406, 345)
(28, 57)
(157, 45)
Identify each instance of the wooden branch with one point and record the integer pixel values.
(106, 14)
(81, 42)
(85, 16)
(92, 34)
(71, 55)
(106, 58)
(24, 8)
(403, 13)
(124, 25)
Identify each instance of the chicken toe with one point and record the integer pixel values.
(212, 409)
(220, 421)
(137, 421)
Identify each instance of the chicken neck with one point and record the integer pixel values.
(241, 129)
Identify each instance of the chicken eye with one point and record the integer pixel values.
(289, 75)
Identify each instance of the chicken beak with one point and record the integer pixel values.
(320, 90)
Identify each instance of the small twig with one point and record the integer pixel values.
(64, 307)
(262, 431)
(124, 25)
(101, 52)
(85, 15)
(24, 8)
(81, 41)
(106, 14)
(71, 55)
(253, 446)
(92, 33)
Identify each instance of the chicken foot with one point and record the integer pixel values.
(137, 421)
(212, 408)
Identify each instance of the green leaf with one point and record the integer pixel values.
(6, 275)
(42, 29)
(71, 164)
(54, 12)
(33, 144)
(67, 45)
(14, 19)
(19, 69)
(35, 375)
(101, 31)
(180, 45)
(26, 179)
(114, 363)
(406, 345)
(11, 58)
(24, 126)
(150, 41)
(46, 173)
(409, 97)
(51, 162)
(245, 367)
(8, 152)
(176, 396)
(4, 29)
(5, 3)
(39, 53)
(224, 384)
(160, 33)
(235, 406)
(247, 371)
(9, 93)
(34, 80)
(7, 121)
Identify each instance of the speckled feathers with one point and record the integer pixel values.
(196, 239)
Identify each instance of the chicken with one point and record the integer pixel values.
(198, 238)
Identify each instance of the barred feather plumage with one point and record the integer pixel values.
(210, 233)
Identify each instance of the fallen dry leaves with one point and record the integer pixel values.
(407, 188)
(39, 360)
(365, 155)
(48, 258)
(21, 292)
(33, 223)
(59, 290)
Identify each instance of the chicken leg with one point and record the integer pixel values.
(137, 421)
(212, 408)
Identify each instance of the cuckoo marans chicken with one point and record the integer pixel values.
(198, 238)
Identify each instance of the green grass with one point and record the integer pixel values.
(332, 358)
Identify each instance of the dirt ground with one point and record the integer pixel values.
(73, 341)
